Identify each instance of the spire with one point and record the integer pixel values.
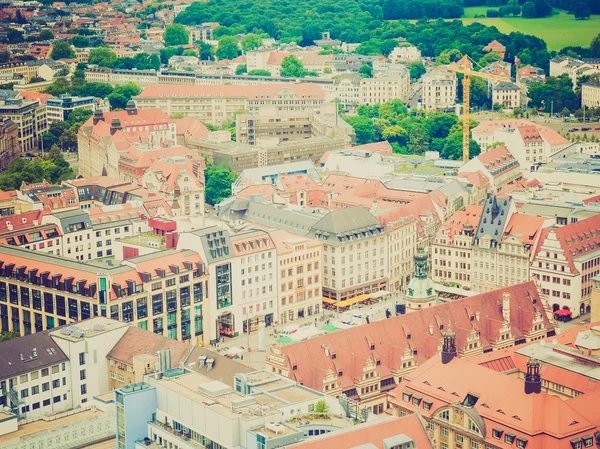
(449, 347)
(421, 263)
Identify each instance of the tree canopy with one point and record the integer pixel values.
(291, 66)
(62, 50)
(219, 179)
(51, 167)
(176, 34)
(227, 48)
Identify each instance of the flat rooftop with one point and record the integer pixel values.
(93, 327)
(224, 404)
(40, 425)
(148, 239)
(547, 354)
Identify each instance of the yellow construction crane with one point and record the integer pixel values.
(465, 66)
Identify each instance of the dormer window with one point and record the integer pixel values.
(372, 347)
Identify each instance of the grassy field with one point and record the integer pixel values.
(560, 30)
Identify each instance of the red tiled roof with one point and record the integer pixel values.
(456, 222)
(542, 418)
(391, 337)
(136, 341)
(576, 239)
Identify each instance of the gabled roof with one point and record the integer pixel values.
(137, 341)
(344, 221)
(47, 353)
(420, 333)
(576, 239)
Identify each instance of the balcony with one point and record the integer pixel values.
(179, 435)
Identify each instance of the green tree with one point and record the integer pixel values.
(453, 147)
(241, 69)
(169, 52)
(417, 70)
(62, 50)
(565, 112)
(321, 407)
(418, 139)
(528, 10)
(488, 58)
(206, 50)
(176, 34)
(366, 71)
(227, 48)
(104, 57)
(46, 35)
(291, 66)
(581, 11)
(363, 128)
(218, 179)
(80, 41)
(259, 72)
(595, 47)
(60, 86)
(122, 94)
(36, 79)
(251, 42)
(395, 133)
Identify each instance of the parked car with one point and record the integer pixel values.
(586, 129)
(597, 129)
(572, 130)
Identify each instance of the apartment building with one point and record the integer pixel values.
(494, 217)
(573, 68)
(408, 53)
(189, 410)
(258, 276)
(401, 227)
(30, 117)
(346, 89)
(137, 353)
(34, 378)
(59, 109)
(452, 248)
(239, 156)
(529, 143)
(498, 166)
(299, 265)
(385, 86)
(590, 94)
(9, 142)
(218, 103)
(384, 353)
(355, 253)
(269, 126)
(506, 94)
(27, 69)
(566, 260)
(439, 90)
(160, 292)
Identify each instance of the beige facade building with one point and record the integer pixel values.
(452, 248)
(439, 90)
(506, 94)
(9, 142)
(384, 87)
(30, 117)
(215, 104)
(269, 126)
(299, 265)
(355, 253)
(590, 94)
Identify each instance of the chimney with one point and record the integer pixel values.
(115, 125)
(506, 307)
(533, 379)
(98, 116)
(477, 315)
(35, 354)
(430, 329)
(164, 360)
(449, 347)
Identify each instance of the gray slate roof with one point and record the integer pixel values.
(48, 353)
(338, 226)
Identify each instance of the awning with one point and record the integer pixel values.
(563, 312)
(348, 302)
